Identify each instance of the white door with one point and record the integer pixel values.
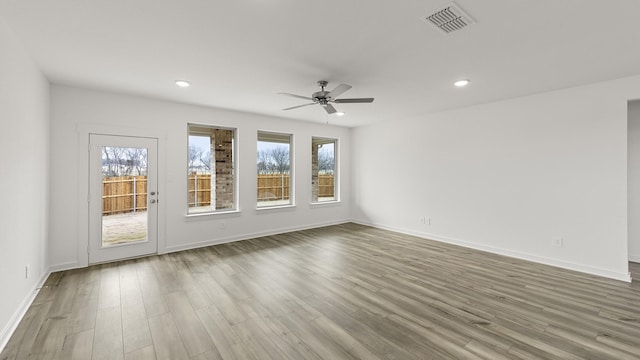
(123, 196)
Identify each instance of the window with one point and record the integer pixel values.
(274, 169)
(323, 170)
(211, 169)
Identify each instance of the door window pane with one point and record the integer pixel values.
(124, 195)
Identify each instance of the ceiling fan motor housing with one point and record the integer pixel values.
(320, 95)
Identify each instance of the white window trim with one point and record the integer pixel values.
(212, 213)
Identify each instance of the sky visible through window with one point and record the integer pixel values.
(202, 143)
(326, 152)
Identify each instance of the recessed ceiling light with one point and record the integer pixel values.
(461, 83)
(182, 83)
(340, 113)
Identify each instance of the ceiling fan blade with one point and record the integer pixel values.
(355, 100)
(299, 106)
(330, 109)
(296, 96)
(339, 90)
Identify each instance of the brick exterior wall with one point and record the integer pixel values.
(314, 171)
(222, 143)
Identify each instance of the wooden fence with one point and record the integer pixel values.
(123, 194)
(199, 190)
(270, 187)
(273, 187)
(326, 186)
(276, 187)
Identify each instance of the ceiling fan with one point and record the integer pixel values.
(325, 98)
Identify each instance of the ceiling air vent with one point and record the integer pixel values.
(450, 19)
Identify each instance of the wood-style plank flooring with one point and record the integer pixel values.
(340, 292)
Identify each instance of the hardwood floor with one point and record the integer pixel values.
(340, 292)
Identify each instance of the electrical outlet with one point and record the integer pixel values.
(423, 220)
(556, 241)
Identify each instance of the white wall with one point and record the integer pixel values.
(24, 187)
(507, 177)
(74, 109)
(634, 180)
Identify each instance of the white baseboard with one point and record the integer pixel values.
(222, 240)
(17, 316)
(634, 258)
(64, 266)
(626, 277)
(228, 239)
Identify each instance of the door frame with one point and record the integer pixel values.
(84, 131)
(98, 252)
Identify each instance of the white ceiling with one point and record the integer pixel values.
(238, 54)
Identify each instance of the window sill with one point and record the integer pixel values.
(212, 214)
(276, 207)
(325, 203)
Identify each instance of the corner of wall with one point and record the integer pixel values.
(19, 313)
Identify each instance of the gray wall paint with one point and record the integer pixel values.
(24, 190)
(634, 180)
(508, 177)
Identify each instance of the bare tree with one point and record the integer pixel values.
(326, 161)
(106, 161)
(118, 156)
(205, 160)
(199, 159)
(195, 154)
(136, 160)
(280, 157)
(274, 160)
(264, 162)
(115, 161)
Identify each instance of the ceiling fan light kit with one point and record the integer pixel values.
(326, 98)
(183, 83)
(461, 83)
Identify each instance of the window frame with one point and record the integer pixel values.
(277, 134)
(234, 164)
(336, 172)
